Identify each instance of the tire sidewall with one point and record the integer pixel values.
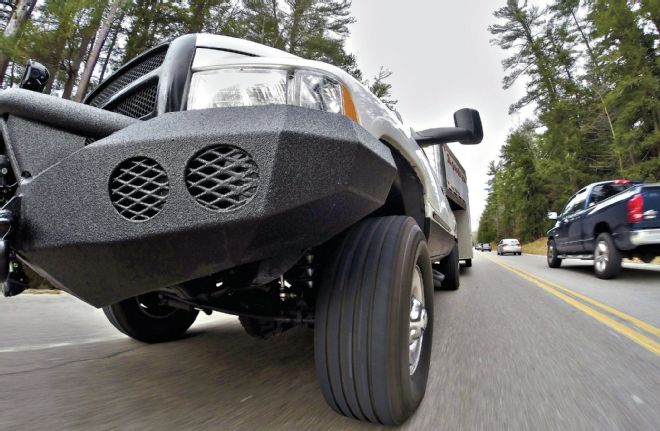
(554, 261)
(129, 319)
(613, 266)
(415, 386)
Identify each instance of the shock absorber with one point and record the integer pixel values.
(299, 280)
(12, 276)
(7, 180)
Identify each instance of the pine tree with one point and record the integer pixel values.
(313, 29)
(529, 53)
(101, 35)
(381, 88)
(631, 68)
(18, 12)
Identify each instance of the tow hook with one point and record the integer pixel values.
(13, 278)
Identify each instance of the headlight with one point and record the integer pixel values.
(253, 86)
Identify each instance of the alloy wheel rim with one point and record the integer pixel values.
(601, 256)
(418, 320)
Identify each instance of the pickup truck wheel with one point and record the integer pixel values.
(450, 268)
(553, 260)
(374, 322)
(607, 258)
(145, 319)
(468, 263)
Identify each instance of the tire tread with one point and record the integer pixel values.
(354, 302)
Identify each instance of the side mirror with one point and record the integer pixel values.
(35, 77)
(552, 215)
(468, 130)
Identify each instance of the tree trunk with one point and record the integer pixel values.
(101, 36)
(111, 48)
(599, 77)
(74, 67)
(140, 34)
(300, 7)
(22, 12)
(11, 74)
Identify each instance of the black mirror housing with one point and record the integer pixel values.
(35, 77)
(468, 130)
(469, 120)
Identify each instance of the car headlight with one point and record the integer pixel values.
(256, 86)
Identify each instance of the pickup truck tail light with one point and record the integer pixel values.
(636, 208)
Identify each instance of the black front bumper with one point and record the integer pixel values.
(316, 174)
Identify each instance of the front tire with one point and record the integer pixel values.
(552, 255)
(374, 322)
(607, 258)
(145, 319)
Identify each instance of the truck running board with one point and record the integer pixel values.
(576, 256)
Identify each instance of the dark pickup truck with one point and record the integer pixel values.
(606, 222)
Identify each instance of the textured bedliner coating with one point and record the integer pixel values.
(318, 173)
(63, 114)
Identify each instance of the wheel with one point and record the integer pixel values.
(607, 258)
(145, 319)
(450, 267)
(553, 260)
(374, 322)
(468, 263)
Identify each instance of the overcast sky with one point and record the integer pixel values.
(442, 60)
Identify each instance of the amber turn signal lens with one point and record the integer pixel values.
(349, 107)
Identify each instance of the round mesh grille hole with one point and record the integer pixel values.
(139, 188)
(222, 177)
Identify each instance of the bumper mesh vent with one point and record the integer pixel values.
(222, 177)
(139, 104)
(139, 188)
(151, 61)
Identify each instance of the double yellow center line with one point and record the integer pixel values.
(643, 334)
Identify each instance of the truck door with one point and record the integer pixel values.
(569, 236)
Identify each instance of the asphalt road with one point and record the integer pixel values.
(569, 352)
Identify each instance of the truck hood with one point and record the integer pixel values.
(205, 40)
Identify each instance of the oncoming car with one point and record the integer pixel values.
(509, 245)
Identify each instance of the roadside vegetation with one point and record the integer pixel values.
(592, 73)
(540, 246)
(81, 42)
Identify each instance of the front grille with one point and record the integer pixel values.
(150, 62)
(139, 188)
(222, 177)
(138, 104)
